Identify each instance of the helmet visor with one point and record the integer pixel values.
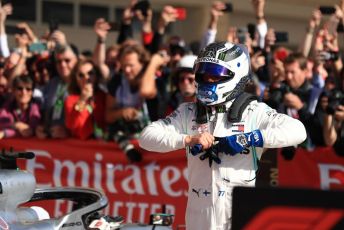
(215, 70)
(212, 69)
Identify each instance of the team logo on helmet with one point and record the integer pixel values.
(212, 49)
(230, 54)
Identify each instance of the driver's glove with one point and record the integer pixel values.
(237, 143)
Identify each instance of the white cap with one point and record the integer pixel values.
(187, 61)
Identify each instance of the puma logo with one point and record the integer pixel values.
(196, 191)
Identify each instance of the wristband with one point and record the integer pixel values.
(310, 30)
(235, 144)
(100, 40)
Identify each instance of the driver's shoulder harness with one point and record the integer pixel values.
(234, 113)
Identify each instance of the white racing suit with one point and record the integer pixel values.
(210, 188)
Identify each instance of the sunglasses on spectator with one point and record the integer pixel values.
(189, 79)
(66, 60)
(20, 88)
(91, 74)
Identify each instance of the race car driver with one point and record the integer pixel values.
(224, 133)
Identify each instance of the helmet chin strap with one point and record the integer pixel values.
(234, 111)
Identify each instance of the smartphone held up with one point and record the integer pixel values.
(53, 25)
(327, 10)
(37, 47)
(142, 6)
(181, 13)
(228, 8)
(14, 30)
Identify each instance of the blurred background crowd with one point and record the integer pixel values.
(50, 88)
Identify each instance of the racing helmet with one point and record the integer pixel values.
(228, 62)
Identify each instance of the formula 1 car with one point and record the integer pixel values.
(18, 187)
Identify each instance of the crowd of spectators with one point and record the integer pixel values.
(49, 89)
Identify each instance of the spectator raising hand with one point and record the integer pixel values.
(4, 12)
(313, 24)
(146, 19)
(315, 19)
(168, 15)
(59, 38)
(25, 27)
(258, 8)
(101, 28)
(216, 12)
(128, 13)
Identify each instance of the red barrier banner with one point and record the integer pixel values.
(134, 190)
(137, 190)
(321, 168)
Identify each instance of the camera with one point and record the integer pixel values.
(143, 6)
(328, 56)
(124, 144)
(335, 99)
(228, 8)
(14, 30)
(328, 10)
(282, 90)
(276, 95)
(121, 131)
(53, 25)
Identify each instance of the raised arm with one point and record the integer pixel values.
(167, 16)
(101, 28)
(262, 27)
(4, 11)
(126, 29)
(148, 87)
(215, 14)
(313, 24)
